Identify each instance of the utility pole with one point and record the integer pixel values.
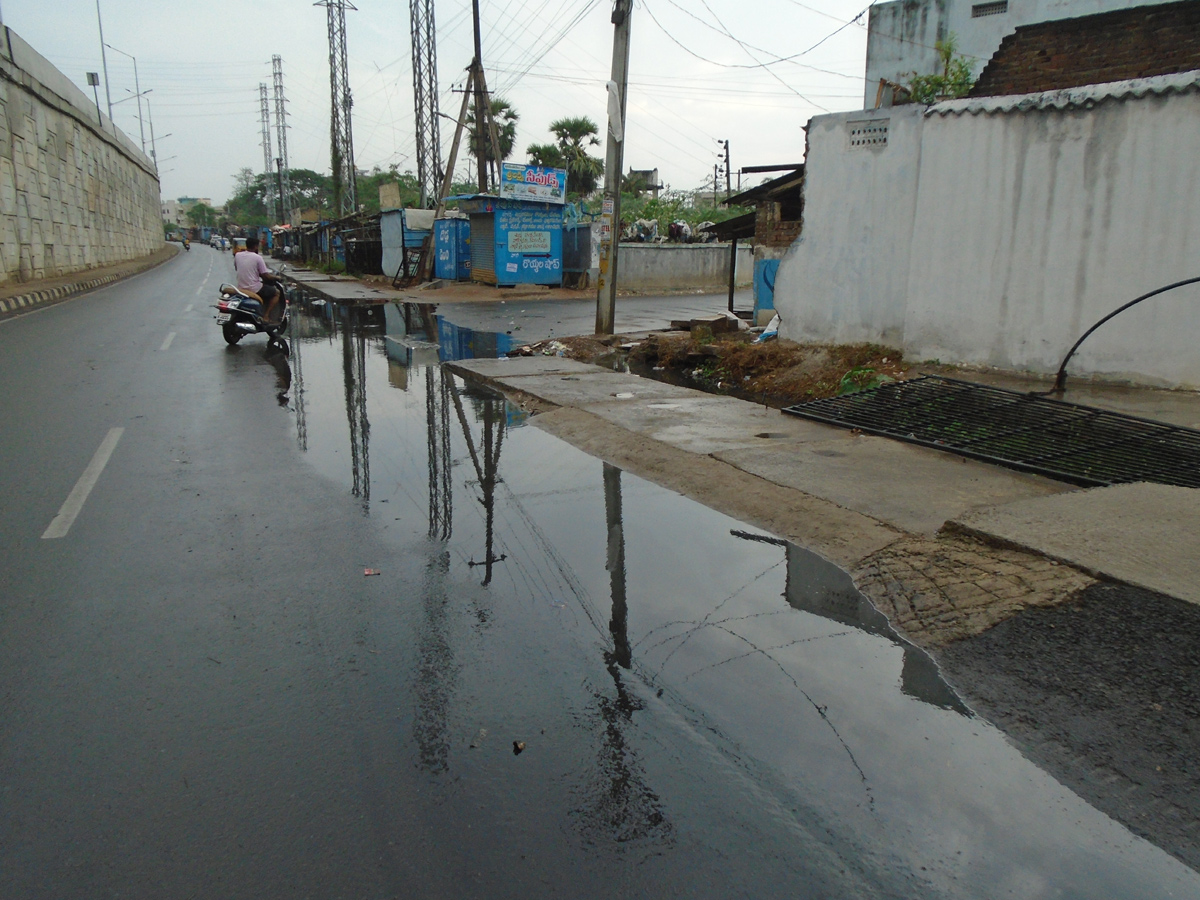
(285, 177)
(610, 219)
(482, 105)
(715, 183)
(104, 61)
(728, 175)
(341, 136)
(425, 99)
(265, 119)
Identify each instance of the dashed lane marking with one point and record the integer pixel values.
(167, 343)
(73, 505)
(188, 308)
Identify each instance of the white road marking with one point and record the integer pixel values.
(201, 288)
(61, 523)
(167, 343)
(188, 308)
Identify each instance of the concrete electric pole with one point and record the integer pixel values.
(610, 218)
(728, 175)
(481, 103)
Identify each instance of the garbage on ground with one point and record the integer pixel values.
(771, 331)
(371, 572)
(478, 740)
(518, 746)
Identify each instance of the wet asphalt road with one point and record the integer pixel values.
(202, 694)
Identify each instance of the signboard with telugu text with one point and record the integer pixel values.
(538, 183)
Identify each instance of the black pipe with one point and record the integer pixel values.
(1060, 379)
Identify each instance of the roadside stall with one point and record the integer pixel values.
(403, 233)
(516, 238)
(452, 249)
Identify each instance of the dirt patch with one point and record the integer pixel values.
(777, 373)
(943, 589)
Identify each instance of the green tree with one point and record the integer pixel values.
(202, 215)
(574, 135)
(255, 200)
(547, 155)
(954, 81)
(506, 119)
(368, 187)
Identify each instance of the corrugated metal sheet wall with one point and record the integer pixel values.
(483, 248)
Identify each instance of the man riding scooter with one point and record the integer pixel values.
(254, 277)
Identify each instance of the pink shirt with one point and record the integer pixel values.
(250, 268)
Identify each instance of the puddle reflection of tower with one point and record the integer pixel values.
(298, 386)
(354, 365)
(486, 470)
(437, 426)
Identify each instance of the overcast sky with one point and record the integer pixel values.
(696, 75)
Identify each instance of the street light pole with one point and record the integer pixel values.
(153, 154)
(610, 218)
(104, 61)
(137, 86)
(93, 79)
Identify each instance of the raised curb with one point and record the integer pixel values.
(33, 298)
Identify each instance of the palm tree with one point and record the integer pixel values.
(547, 155)
(575, 134)
(505, 118)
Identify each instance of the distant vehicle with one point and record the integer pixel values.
(239, 244)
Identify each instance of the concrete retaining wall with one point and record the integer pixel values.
(75, 192)
(673, 267)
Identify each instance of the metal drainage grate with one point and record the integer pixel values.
(1066, 441)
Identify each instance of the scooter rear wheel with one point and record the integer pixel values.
(231, 332)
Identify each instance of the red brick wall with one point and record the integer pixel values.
(1113, 46)
(772, 231)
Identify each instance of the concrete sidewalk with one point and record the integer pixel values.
(946, 546)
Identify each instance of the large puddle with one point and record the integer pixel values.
(706, 710)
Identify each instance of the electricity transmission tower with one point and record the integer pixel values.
(341, 141)
(265, 114)
(285, 199)
(425, 98)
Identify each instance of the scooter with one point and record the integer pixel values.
(239, 314)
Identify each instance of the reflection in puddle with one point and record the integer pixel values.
(689, 691)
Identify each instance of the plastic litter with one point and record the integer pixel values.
(518, 746)
(371, 572)
(771, 332)
(478, 740)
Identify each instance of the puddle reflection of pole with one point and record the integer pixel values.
(437, 431)
(625, 808)
(354, 364)
(618, 626)
(487, 471)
